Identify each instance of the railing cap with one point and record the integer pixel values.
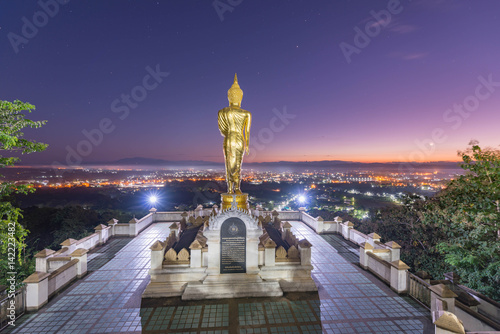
(270, 243)
(79, 252)
(158, 245)
(68, 242)
(393, 245)
(399, 265)
(366, 245)
(44, 253)
(133, 221)
(305, 244)
(100, 227)
(195, 245)
(374, 235)
(449, 321)
(443, 291)
(423, 274)
(113, 221)
(36, 277)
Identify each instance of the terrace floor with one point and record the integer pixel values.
(108, 298)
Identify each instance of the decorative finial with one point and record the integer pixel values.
(235, 94)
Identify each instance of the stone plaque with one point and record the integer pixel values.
(233, 241)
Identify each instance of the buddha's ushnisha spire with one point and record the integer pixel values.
(235, 94)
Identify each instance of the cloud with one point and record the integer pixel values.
(412, 56)
(403, 28)
(409, 56)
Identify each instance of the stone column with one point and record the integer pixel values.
(395, 250)
(320, 227)
(81, 267)
(99, 230)
(196, 256)
(112, 223)
(373, 238)
(443, 293)
(175, 228)
(37, 290)
(41, 259)
(153, 212)
(305, 252)
(346, 230)
(70, 244)
(157, 253)
(364, 248)
(132, 227)
(252, 253)
(198, 212)
(213, 243)
(399, 276)
(270, 253)
(286, 229)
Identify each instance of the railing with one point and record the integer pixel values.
(19, 306)
(419, 290)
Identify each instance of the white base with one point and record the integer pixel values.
(232, 286)
(298, 285)
(159, 290)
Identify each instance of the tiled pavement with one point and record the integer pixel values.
(108, 299)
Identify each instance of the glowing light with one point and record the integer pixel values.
(302, 199)
(153, 199)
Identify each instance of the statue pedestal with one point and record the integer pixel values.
(228, 199)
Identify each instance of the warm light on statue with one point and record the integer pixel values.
(234, 125)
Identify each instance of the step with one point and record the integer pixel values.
(212, 290)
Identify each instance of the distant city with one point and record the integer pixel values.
(352, 191)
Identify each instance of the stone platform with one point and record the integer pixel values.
(108, 299)
(232, 286)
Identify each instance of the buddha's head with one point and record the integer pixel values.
(235, 94)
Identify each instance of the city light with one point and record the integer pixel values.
(153, 199)
(302, 199)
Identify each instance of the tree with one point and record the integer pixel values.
(468, 213)
(418, 241)
(12, 122)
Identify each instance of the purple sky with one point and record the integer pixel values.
(387, 100)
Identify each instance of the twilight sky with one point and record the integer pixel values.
(324, 80)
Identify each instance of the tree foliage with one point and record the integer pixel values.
(456, 230)
(12, 122)
(467, 212)
(418, 241)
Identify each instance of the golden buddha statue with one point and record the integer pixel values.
(234, 126)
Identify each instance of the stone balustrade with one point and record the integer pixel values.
(57, 269)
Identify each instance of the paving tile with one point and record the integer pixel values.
(351, 299)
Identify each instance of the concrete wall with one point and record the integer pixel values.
(144, 222)
(122, 229)
(289, 215)
(62, 277)
(471, 323)
(90, 242)
(357, 237)
(379, 267)
(168, 216)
